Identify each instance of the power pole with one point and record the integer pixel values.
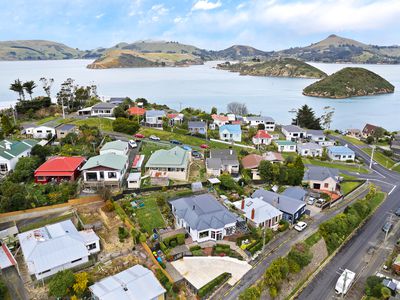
(13, 113)
(265, 231)
(372, 157)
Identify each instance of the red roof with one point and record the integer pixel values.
(59, 166)
(137, 111)
(262, 134)
(220, 118)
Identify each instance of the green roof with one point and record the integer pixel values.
(285, 143)
(115, 145)
(108, 160)
(16, 147)
(175, 158)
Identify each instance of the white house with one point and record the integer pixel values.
(230, 132)
(102, 109)
(259, 213)
(154, 118)
(57, 247)
(104, 170)
(268, 122)
(309, 149)
(203, 217)
(39, 132)
(316, 135)
(293, 132)
(12, 151)
(219, 120)
(341, 153)
(285, 146)
(116, 147)
(134, 180)
(262, 137)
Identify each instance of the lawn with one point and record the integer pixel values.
(102, 123)
(377, 199)
(149, 147)
(313, 239)
(353, 141)
(45, 120)
(397, 168)
(348, 186)
(336, 165)
(45, 222)
(149, 216)
(380, 158)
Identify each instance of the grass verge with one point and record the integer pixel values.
(380, 158)
(345, 167)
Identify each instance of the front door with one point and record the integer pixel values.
(219, 236)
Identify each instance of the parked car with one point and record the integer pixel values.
(154, 138)
(300, 226)
(139, 136)
(311, 201)
(204, 146)
(397, 213)
(175, 142)
(387, 227)
(320, 202)
(187, 148)
(196, 154)
(132, 143)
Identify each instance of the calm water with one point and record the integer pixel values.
(204, 87)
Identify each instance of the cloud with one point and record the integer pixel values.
(99, 16)
(206, 5)
(159, 9)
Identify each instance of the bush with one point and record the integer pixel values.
(163, 247)
(194, 248)
(108, 206)
(125, 126)
(180, 238)
(61, 284)
(283, 225)
(122, 233)
(373, 287)
(213, 284)
(172, 243)
(300, 254)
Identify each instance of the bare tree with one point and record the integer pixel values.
(326, 118)
(237, 108)
(46, 84)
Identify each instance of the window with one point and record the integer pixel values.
(112, 175)
(203, 234)
(101, 175)
(76, 260)
(3, 168)
(47, 271)
(91, 246)
(213, 234)
(326, 185)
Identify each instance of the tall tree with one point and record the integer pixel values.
(18, 87)
(237, 108)
(6, 125)
(326, 118)
(46, 84)
(306, 118)
(29, 86)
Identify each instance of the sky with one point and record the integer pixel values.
(208, 24)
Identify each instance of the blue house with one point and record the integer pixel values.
(341, 153)
(291, 208)
(230, 132)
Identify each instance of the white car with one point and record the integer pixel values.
(154, 138)
(132, 143)
(311, 201)
(300, 226)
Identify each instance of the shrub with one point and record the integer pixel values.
(173, 243)
(163, 247)
(142, 237)
(213, 284)
(122, 233)
(180, 238)
(61, 284)
(283, 225)
(373, 287)
(108, 206)
(300, 254)
(194, 248)
(125, 126)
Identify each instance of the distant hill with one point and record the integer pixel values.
(133, 59)
(286, 67)
(336, 49)
(236, 52)
(349, 82)
(36, 50)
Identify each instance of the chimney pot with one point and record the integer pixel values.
(242, 204)
(253, 212)
(194, 206)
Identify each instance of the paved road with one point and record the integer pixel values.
(355, 253)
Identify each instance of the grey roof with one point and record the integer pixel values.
(213, 163)
(295, 192)
(260, 118)
(155, 113)
(66, 127)
(135, 283)
(283, 203)
(227, 156)
(196, 124)
(203, 212)
(117, 145)
(320, 173)
(310, 146)
(116, 100)
(293, 128)
(103, 105)
(314, 132)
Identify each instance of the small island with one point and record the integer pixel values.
(349, 82)
(134, 59)
(286, 67)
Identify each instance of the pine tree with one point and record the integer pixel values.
(306, 118)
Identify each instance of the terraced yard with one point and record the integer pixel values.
(149, 216)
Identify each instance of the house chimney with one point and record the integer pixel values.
(278, 200)
(8, 145)
(194, 206)
(242, 204)
(230, 151)
(253, 212)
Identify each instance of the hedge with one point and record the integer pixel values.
(213, 284)
(173, 241)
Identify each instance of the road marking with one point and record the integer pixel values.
(392, 189)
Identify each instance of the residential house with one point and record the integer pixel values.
(292, 209)
(273, 157)
(7, 259)
(59, 169)
(341, 153)
(175, 119)
(85, 112)
(322, 178)
(230, 132)
(116, 147)
(134, 180)
(262, 137)
(222, 160)
(316, 136)
(39, 132)
(105, 170)
(197, 127)
(103, 109)
(395, 144)
(231, 117)
(285, 146)
(203, 217)
(219, 120)
(154, 118)
(251, 162)
(309, 149)
(136, 111)
(12, 151)
(268, 122)
(117, 100)
(175, 162)
(259, 213)
(134, 283)
(296, 192)
(369, 130)
(57, 247)
(293, 132)
(353, 132)
(64, 129)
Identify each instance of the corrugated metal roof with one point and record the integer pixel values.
(108, 160)
(175, 158)
(283, 203)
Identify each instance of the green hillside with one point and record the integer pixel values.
(349, 82)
